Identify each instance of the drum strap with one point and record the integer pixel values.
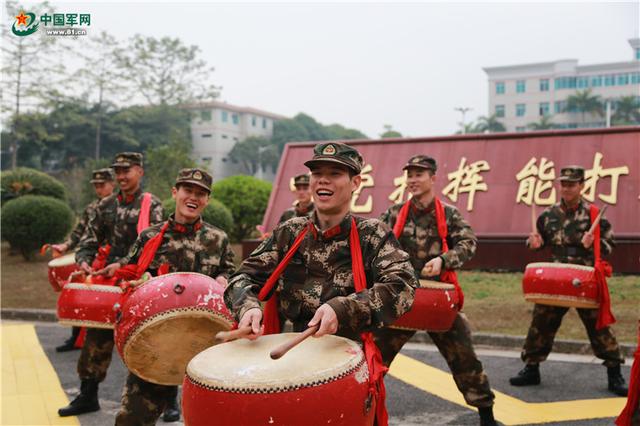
(602, 271)
(145, 209)
(633, 399)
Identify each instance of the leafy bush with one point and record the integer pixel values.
(30, 221)
(215, 213)
(25, 181)
(247, 198)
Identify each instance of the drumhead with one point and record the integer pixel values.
(559, 266)
(66, 260)
(93, 287)
(436, 285)
(244, 366)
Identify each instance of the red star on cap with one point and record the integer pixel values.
(22, 19)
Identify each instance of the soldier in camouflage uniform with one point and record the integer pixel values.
(188, 245)
(303, 206)
(115, 223)
(317, 287)
(565, 228)
(103, 184)
(420, 239)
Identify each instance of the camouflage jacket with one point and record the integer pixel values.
(296, 212)
(115, 224)
(321, 272)
(562, 230)
(420, 235)
(199, 247)
(87, 215)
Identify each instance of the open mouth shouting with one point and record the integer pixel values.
(191, 206)
(323, 194)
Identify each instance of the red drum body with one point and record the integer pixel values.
(434, 308)
(89, 305)
(59, 270)
(321, 381)
(560, 284)
(168, 320)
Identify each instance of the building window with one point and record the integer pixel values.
(609, 80)
(205, 115)
(520, 110)
(558, 107)
(521, 129)
(623, 79)
(565, 83)
(520, 86)
(635, 78)
(206, 135)
(264, 123)
(544, 108)
(499, 110)
(225, 116)
(225, 137)
(206, 159)
(583, 82)
(500, 88)
(253, 120)
(544, 84)
(638, 54)
(235, 118)
(596, 81)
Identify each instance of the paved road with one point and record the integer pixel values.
(564, 378)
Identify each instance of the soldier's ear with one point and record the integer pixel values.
(174, 192)
(355, 182)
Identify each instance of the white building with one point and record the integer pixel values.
(217, 126)
(522, 94)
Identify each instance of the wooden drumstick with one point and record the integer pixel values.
(227, 336)
(597, 221)
(279, 351)
(534, 228)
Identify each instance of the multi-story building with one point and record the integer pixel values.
(522, 94)
(217, 126)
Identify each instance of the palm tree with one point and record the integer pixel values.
(490, 124)
(627, 111)
(468, 128)
(545, 123)
(584, 102)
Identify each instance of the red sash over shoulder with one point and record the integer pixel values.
(603, 270)
(633, 399)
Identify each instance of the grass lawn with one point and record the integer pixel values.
(493, 301)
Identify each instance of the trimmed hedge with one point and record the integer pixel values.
(24, 181)
(30, 221)
(215, 213)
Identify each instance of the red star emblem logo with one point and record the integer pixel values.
(22, 19)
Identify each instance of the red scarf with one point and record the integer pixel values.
(448, 275)
(145, 210)
(135, 271)
(602, 271)
(633, 399)
(372, 353)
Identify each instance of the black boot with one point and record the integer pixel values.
(86, 402)
(486, 416)
(172, 410)
(529, 375)
(616, 381)
(69, 344)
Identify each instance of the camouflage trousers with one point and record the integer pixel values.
(546, 322)
(96, 353)
(456, 348)
(143, 402)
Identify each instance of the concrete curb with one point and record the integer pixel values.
(502, 341)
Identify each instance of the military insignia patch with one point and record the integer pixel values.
(120, 160)
(416, 160)
(329, 150)
(197, 175)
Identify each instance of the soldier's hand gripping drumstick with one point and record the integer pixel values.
(228, 336)
(535, 239)
(252, 319)
(587, 238)
(282, 349)
(432, 268)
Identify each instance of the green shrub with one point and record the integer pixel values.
(25, 181)
(215, 213)
(30, 221)
(247, 198)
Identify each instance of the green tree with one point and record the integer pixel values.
(255, 152)
(161, 166)
(389, 132)
(490, 124)
(247, 198)
(25, 181)
(627, 111)
(468, 128)
(339, 132)
(545, 123)
(165, 71)
(584, 102)
(288, 130)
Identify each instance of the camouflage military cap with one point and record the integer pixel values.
(422, 162)
(102, 175)
(196, 177)
(301, 179)
(335, 152)
(127, 159)
(571, 174)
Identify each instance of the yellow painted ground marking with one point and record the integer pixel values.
(31, 392)
(507, 409)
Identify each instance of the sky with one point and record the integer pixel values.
(365, 65)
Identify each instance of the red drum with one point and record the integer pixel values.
(89, 305)
(168, 320)
(434, 308)
(322, 381)
(60, 268)
(561, 284)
